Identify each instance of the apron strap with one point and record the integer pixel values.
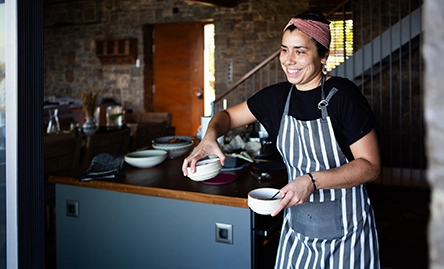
(287, 103)
(322, 105)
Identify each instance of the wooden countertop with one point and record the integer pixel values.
(166, 181)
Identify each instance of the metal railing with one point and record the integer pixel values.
(266, 73)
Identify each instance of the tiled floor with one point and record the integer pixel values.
(401, 215)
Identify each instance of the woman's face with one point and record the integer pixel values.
(300, 60)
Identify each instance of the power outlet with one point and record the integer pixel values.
(72, 208)
(224, 233)
(230, 72)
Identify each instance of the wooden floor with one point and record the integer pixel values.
(401, 216)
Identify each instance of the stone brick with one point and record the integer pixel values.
(69, 76)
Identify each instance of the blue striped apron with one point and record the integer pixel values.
(335, 228)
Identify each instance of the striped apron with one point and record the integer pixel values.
(335, 228)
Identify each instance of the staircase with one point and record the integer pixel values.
(377, 52)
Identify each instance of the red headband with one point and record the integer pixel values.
(319, 31)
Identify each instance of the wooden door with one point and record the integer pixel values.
(178, 74)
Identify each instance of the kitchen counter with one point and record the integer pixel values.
(156, 218)
(167, 181)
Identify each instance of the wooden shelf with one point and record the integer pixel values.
(118, 51)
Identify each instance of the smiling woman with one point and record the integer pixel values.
(325, 163)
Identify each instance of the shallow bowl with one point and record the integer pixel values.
(180, 140)
(146, 158)
(259, 200)
(205, 169)
(174, 151)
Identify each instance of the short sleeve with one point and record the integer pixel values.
(267, 106)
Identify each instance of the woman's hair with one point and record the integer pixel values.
(313, 15)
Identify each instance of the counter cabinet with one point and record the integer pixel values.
(153, 218)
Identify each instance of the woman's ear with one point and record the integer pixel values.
(324, 59)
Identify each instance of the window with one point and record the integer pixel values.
(341, 46)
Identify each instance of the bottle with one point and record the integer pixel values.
(53, 124)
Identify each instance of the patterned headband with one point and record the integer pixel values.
(319, 31)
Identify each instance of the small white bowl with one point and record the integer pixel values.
(174, 151)
(165, 140)
(146, 158)
(172, 146)
(259, 200)
(205, 169)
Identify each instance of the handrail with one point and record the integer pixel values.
(248, 75)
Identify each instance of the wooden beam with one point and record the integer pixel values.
(219, 3)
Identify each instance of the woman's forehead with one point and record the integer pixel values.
(297, 38)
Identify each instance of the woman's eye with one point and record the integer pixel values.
(299, 52)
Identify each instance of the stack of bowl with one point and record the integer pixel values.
(176, 146)
(205, 169)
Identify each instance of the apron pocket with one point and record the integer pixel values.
(321, 220)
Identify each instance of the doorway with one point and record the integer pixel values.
(174, 73)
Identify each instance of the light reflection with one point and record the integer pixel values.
(2, 138)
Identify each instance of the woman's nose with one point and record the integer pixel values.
(289, 59)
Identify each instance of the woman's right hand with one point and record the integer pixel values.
(221, 123)
(205, 148)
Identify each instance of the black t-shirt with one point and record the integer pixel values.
(350, 113)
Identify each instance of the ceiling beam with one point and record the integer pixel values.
(219, 3)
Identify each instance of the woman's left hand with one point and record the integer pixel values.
(294, 193)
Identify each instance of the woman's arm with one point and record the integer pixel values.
(220, 124)
(364, 168)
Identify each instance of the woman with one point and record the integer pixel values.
(325, 132)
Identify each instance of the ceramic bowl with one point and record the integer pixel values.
(175, 149)
(259, 200)
(205, 169)
(172, 141)
(146, 158)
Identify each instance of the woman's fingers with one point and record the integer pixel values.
(204, 149)
(292, 195)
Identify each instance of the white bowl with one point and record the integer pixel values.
(163, 141)
(174, 151)
(146, 158)
(259, 200)
(173, 146)
(205, 169)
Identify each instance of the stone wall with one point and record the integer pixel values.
(71, 29)
(247, 34)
